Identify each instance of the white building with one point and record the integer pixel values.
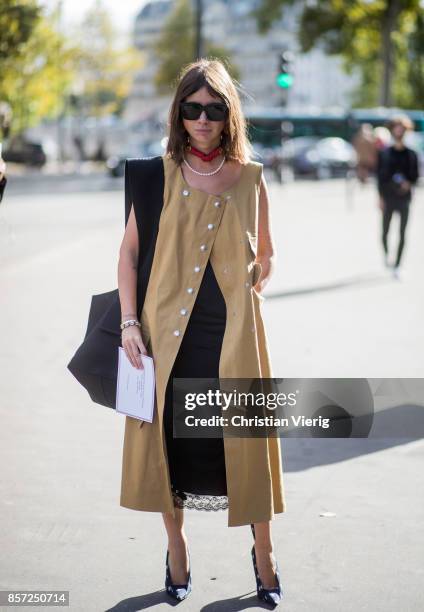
(319, 80)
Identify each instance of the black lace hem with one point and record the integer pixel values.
(194, 501)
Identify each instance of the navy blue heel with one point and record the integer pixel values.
(177, 591)
(270, 596)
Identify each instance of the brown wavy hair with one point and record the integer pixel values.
(213, 74)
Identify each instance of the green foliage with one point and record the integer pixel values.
(104, 72)
(409, 83)
(355, 30)
(17, 21)
(175, 48)
(267, 12)
(35, 63)
(40, 67)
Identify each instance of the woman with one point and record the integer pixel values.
(201, 317)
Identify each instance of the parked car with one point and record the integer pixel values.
(115, 164)
(292, 160)
(334, 157)
(22, 151)
(266, 155)
(317, 157)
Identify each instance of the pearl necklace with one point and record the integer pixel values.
(204, 173)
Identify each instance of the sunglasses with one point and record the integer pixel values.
(215, 111)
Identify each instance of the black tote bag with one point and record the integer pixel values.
(95, 363)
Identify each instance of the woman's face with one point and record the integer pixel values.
(204, 134)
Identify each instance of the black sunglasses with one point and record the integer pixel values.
(215, 111)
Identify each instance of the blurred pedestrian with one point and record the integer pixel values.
(383, 140)
(3, 179)
(382, 137)
(79, 145)
(365, 146)
(5, 123)
(397, 172)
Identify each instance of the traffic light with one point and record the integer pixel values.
(285, 77)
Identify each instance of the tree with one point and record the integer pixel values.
(105, 71)
(17, 21)
(35, 63)
(408, 86)
(176, 44)
(369, 35)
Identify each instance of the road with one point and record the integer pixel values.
(331, 310)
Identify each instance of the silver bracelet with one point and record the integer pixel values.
(129, 323)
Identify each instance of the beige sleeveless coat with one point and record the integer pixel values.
(195, 226)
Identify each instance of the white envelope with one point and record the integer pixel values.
(135, 389)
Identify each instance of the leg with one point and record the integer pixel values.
(177, 539)
(177, 546)
(404, 211)
(387, 216)
(264, 554)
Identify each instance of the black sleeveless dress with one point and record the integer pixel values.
(197, 466)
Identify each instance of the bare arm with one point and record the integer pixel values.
(127, 285)
(127, 269)
(266, 254)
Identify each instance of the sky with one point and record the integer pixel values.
(123, 12)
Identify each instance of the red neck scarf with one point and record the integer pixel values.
(205, 156)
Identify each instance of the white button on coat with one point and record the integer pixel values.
(176, 332)
(190, 290)
(203, 247)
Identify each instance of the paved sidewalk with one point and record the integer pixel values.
(331, 310)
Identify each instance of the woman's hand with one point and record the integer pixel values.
(132, 343)
(267, 265)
